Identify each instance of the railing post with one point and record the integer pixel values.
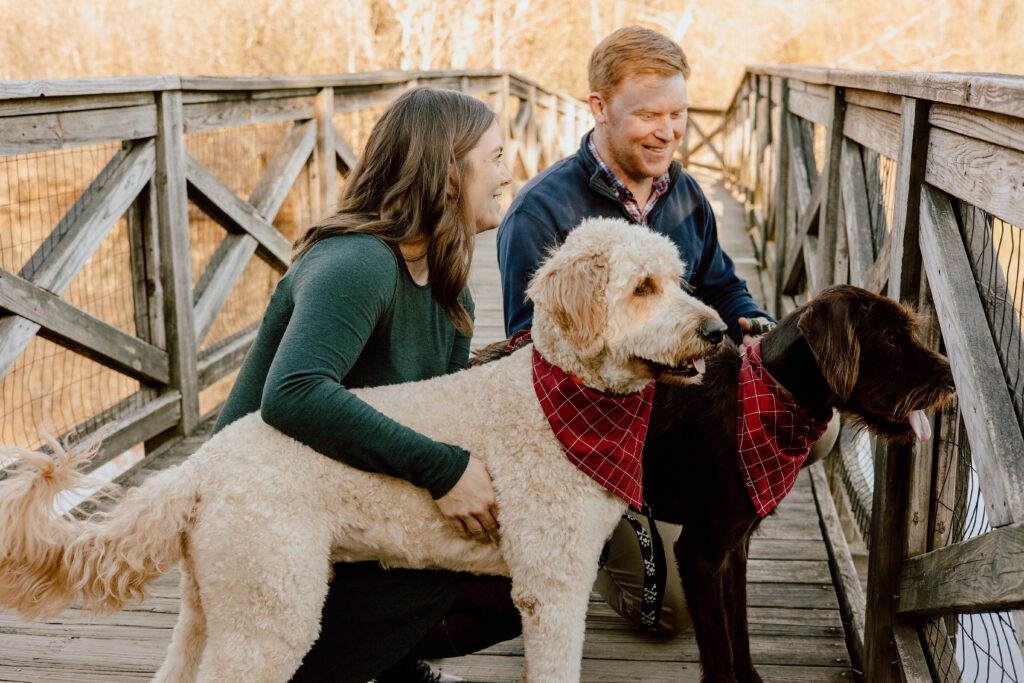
(781, 196)
(504, 100)
(893, 463)
(531, 145)
(828, 218)
(748, 135)
(144, 258)
(751, 162)
(175, 260)
(325, 153)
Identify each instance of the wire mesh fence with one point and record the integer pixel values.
(48, 387)
(969, 647)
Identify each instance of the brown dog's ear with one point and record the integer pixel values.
(572, 292)
(829, 326)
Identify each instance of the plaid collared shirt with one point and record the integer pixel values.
(625, 195)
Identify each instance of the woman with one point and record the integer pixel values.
(377, 294)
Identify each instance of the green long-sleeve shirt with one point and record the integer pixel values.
(349, 315)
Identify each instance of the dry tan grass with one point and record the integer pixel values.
(547, 40)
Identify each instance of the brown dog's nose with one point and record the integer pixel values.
(713, 330)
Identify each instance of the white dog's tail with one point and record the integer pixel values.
(47, 558)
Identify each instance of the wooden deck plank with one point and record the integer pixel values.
(796, 630)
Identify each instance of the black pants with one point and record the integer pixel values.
(373, 618)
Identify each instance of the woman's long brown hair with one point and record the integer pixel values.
(398, 189)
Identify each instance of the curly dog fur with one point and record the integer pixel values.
(255, 518)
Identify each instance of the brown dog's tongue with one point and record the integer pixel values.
(919, 423)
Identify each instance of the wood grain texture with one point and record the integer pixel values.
(982, 574)
(42, 132)
(75, 329)
(170, 188)
(877, 130)
(852, 602)
(998, 129)
(911, 160)
(988, 92)
(219, 202)
(326, 152)
(857, 223)
(986, 175)
(882, 662)
(811, 107)
(283, 169)
(913, 665)
(72, 87)
(226, 113)
(224, 357)
(831, 193)
(996, 442)
(873, 99)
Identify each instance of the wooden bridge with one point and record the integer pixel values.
(131, 210)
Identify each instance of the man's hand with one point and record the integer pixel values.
(752, 329)
(470, 507)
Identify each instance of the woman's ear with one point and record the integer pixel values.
(453, 182)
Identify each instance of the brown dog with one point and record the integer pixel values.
(847, 349)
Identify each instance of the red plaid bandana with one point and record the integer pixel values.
(773, 435)
(602, 435)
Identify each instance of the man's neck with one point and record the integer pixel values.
(641, 188)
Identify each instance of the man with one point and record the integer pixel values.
(624, 169)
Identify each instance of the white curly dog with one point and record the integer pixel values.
(255, 518)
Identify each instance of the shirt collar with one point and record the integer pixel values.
(658, 187)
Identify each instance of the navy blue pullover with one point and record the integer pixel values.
(556, 200)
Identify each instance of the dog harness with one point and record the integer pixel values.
(603, 435)
(773, 435)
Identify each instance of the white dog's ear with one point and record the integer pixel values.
(572, 292)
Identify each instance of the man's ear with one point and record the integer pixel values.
(597, 105)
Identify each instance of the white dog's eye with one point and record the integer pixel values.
(645, 287)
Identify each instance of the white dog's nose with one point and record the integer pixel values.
(713, 330)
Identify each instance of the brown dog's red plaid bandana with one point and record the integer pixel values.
(773, 435)
(603, 435)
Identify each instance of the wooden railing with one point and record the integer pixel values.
(182, 234)
(911, 185)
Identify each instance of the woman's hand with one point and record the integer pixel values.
(470, 507)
